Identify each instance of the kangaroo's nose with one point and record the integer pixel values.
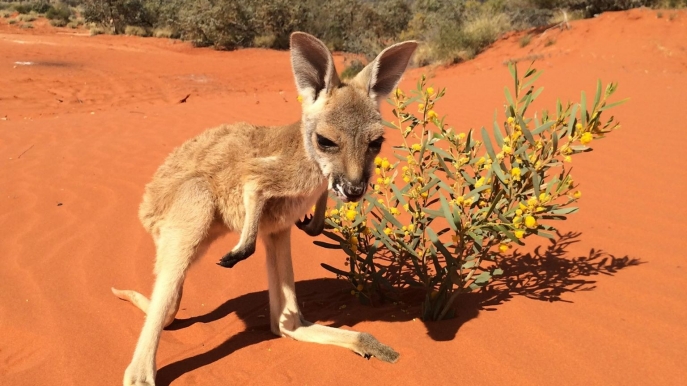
(354, 191)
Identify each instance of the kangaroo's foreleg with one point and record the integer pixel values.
(314, 225)
(286, 318)
(253, 203)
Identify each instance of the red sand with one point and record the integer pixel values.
(94, 117)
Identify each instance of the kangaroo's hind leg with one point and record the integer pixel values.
(286, 318)
(185, 226)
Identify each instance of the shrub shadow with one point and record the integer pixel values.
(544, 274)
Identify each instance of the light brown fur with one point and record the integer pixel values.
(260, 181)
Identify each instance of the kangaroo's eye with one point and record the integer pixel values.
(325, 143)
(376, 145)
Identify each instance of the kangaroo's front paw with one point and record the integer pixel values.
(307, 225)
(230, 259)
(137, 376)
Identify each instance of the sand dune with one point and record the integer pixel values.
(93, 117)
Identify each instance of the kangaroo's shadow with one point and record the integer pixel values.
(545, 274)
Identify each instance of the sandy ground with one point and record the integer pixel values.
(84, 127)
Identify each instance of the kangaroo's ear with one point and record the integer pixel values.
(313, 66)
(382, 75)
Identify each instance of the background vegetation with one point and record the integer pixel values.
(451, 30)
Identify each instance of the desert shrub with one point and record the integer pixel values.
(12, 21)
(221, 24)
(27, 25)
(264, 41)
(97, 30)
(525, 40)
(442, 217)
(352, 69)
(58, 23)
(27, 17)
(133, 30)
(117, 14)
(31, 6)
(164, 32)
(59, 12)
(5, 14)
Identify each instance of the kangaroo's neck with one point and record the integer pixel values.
(298, 166)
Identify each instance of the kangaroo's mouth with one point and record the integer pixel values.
(338, 190)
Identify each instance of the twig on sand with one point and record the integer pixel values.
(184, 99)
(22, 153)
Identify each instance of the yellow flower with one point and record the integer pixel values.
(530, 222)
(385, 164)
(394, 211)
(416, 147)
(406, 207)
(517, 220)
(375, 187)
(411, 227)
(518, 212)
(479, 182)
(578, 126)
(510, 120)
(577, 194)
(387, 181)
(350, 214)
(461, 136)
(468, 202)
(480, 161)
(378, 161)
(464, 160)
(334, 212)
(507, 149)
(380, 180)
(430, 90)
(366, 231)
(515, 173)
(586, 138)
(519, 233)
(421, 107)
(522, 206)
(431, 114)
(406, 179)
(503, 248)
(378, 171)
(459, 200)
(388, 231)
(299, 99)
(424, 194)
(544, 198)
(532, 201)
(567, 158)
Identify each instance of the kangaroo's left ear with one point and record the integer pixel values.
(382, 75)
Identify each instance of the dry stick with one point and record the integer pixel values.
(22, 153)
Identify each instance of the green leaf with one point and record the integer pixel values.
(483, 278)
(542, 128)
(614, 104)
(447, 213)
(497, 272)
(387, 215)
(583, 112)
(398, 194)
(525, 131)
(509, 98)
(389, 124)
(441, 248)
(497, 132)
(563, 211)
(476, 191)
(571, 123)
(536, 182)
(597, 97)
(487, 143)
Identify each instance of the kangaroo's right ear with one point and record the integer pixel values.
(313, 66)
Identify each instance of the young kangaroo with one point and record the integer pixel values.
(261, 181)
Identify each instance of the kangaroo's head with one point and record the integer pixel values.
(342, 125)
